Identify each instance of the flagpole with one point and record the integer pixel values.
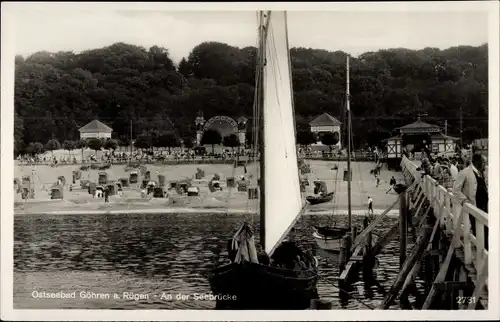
(348, 147)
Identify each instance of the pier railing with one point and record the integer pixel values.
(455, 217)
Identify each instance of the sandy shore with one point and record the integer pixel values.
(79, 202)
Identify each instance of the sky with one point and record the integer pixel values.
(351, 31)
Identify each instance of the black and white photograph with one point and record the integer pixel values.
(222, 158)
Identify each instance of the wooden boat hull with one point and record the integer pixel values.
(329, 241)
(251, 286)
(321, 199)
(328, 244)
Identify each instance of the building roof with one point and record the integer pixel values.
(95, 127)
(325, 119)
(419, 127)
(433, 136)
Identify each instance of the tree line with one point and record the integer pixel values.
(57, 93)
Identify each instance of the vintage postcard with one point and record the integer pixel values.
(294, 161)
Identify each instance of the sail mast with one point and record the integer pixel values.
(260, 109)
(348, 147)
(130, 144)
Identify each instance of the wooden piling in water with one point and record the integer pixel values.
(403, 227)
(358, 255)
(343, 258)
(368, 261)
(407, 267)
(348, 246)
(368, 258)
(354, 234)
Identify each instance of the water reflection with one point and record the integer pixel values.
(152, 254)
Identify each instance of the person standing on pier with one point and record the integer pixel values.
(446, 178)
(471, 187)
(392, 182)
(437, 170)
(453, 170)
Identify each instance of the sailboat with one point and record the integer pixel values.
(329, 238)
(282, 276)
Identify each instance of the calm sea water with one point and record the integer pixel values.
(162, 258)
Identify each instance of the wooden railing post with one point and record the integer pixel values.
(449, 204)
(403, 228)
(479, 243)
(467, 239)
(457, 209)
(429, 187)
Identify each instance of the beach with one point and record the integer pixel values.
(229, 200)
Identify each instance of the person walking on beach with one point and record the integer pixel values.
(370, 206)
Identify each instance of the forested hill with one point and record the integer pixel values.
(56, 93)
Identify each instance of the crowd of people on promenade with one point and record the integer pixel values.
(372, 153)
(197, 153)
(136, 156)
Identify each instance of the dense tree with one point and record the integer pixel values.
(124, 141)
(143, 142)
(305, 137)
(330, 139)
(168, 140)
(69, 145)
(52, 145)
(94, 144)
(81, 144)
(216, 61)
(110, 144)
(34, 148)
(18, 134)
(231, 141)
(188, 142)
(38, 148)
(211, 137)
(56, 93)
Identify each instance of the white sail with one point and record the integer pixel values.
(283, 201)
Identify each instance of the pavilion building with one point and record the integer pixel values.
(413, 137)
(326, 123)
(95, 129)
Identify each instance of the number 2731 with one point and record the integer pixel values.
(466, 299)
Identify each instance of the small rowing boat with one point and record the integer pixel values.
(314, 200)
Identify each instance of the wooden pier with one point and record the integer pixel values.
(443, 263)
